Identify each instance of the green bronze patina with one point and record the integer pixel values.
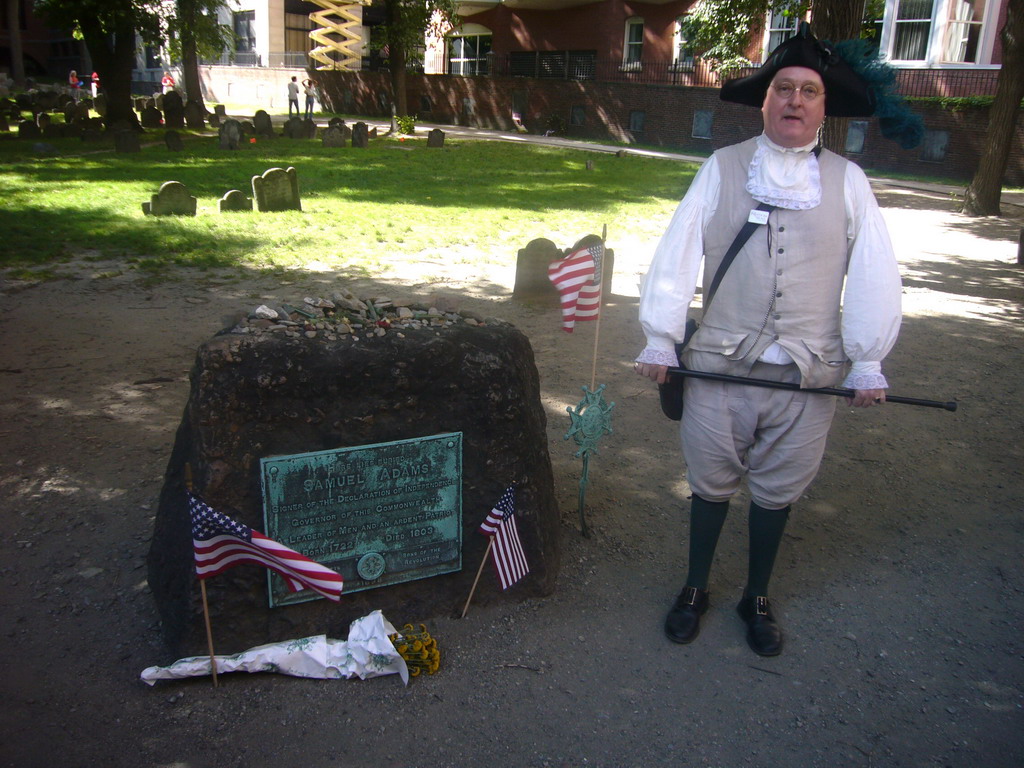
(591, 420)
(377, 514)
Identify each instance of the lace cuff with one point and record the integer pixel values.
(653, 356)
(865, 381)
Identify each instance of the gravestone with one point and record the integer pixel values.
(308, 130)
(220, 111)
(248, 129)
(173, 141)
(53, 131)
(174, 110)
(267, 394)
(28, 130)
(277, 190)
(214, 121)
(293, 128)
(100, 104)
(532, 283)
(43, 120)
(173, 199)
(234, 200)
(360, 138)
(230, 134)
(158, 101)
(373, 132)
(435, 138)
(334, 137)
(262, 124)
(336, 122)
(69, 112)
(82, 111)
(151, 117)
(195, 116)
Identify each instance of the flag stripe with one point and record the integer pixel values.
(220, 543)
(507, 549)
(578, 280)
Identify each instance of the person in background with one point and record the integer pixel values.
(95, 84)
(293, 97)
(167, 82)
(75, 84)
(308, 88)
(816, 288)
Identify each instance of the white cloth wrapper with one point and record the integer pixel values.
(367, 653)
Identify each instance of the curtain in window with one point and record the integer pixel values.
(963, 33)
(913, 27)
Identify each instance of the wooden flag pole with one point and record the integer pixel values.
(600, 308)
(209, 634)
(202, 589)
(465, 608)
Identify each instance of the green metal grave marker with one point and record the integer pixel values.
(591, 419)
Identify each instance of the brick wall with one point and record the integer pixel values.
(660, 116)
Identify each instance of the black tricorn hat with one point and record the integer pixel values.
(846, 93)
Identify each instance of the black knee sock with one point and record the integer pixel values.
(706, 521)
(766, 527)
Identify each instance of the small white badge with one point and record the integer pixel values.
(758, 216)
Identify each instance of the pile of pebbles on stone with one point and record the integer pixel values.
(344, 315)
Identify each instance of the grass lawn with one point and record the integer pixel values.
(361, 207)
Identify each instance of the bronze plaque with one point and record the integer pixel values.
(377, 514)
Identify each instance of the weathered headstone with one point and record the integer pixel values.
(360, 138)
(230, 134)
(308, 130)
(435, 138)
(173, 199)
(262, 123)
(82, 111)
(334, 137)
(220, 111)
(532, 283)
(28, 130)
(214, 121)
(43, 120)
(277, 190)
(293, 128)
(336, 122)
(126, 142)
(174, 110)
(100, 104)
(151, 117)
(173, 141)
(267, 395)
(195, 115)
(373, 132)
(234, 200)
(69, 112)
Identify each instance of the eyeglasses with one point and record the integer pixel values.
(785, 91)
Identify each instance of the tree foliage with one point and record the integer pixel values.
(406, 24)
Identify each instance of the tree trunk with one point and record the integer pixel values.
(113, 56)
(17, 58)
(835, 20)
(396, 57)
(986, 188)
(189, 55)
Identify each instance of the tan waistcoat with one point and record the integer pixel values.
(784, 286)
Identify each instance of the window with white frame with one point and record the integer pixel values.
(912, 28)
(468, 48)
(781, 27)
(964, 31)
(632, 49)
(244, 24)
(682, 49)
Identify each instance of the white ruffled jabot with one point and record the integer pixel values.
(784, 177)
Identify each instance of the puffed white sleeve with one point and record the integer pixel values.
(872, 296)
(671, 280)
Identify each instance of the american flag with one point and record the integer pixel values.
(509, 559)
(578, 280)
(221, 543)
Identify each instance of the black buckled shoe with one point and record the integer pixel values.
(763, 635)
(682, 625)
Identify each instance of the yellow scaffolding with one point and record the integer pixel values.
(335, 36)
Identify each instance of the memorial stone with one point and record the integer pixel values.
(82, 111)
(173, 141)
(43, 120)
(100, 104)
(263, 398)
(277, 190)
(220, 111)
(234, 200)
(28, 130)
(334, 137)
(173, 199)
(308, 130)
(230, 134)
(69, 112)
(532, 284)
(174, 110)
(435, 138)
(215, 121)
(360, 138)
(151, 117)
(293, 128)
(262, 124)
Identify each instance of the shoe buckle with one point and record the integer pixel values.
(761, 606)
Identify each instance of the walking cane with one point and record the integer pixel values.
(834, 391)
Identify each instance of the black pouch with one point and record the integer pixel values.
(671, 392)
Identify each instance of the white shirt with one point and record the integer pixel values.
(871, 296)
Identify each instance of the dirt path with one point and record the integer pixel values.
(900, 582)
